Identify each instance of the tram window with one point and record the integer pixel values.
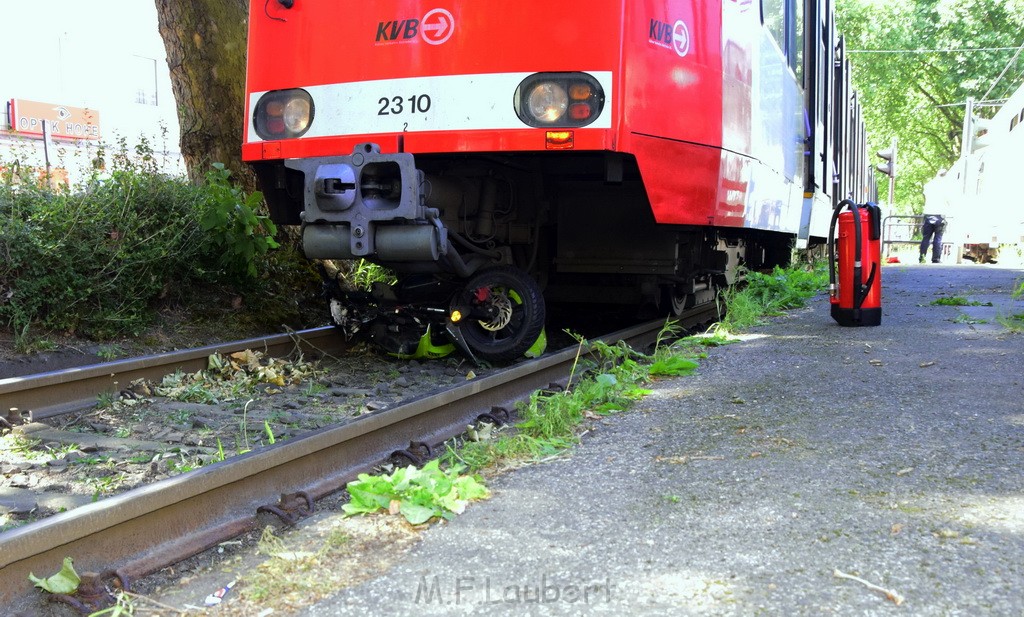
(784, 21)
(1013, 122)
(796, 52)
(773, 14)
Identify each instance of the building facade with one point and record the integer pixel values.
(83, 83)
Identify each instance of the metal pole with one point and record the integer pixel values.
(892, 177)
(46, 151)
(967, 138)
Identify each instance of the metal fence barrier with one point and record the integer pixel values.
(904, 230)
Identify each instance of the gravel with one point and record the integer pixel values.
(891, 453)
(69, 461)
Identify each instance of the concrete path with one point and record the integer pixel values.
(893, 454)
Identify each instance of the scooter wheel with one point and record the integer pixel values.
(515, 308)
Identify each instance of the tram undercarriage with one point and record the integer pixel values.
(480, 243)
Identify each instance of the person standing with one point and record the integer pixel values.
(936, 209)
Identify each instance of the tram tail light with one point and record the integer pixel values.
(579, 111)
(580, 91)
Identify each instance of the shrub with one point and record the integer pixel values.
(91, 261)
(242, 237)
(95, 262)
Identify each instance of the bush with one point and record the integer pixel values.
(241, 236)
(95, 262)
(91, 261)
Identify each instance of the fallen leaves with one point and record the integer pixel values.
(63, 582)
(225, 376)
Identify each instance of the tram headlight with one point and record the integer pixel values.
(283, 114)
(547, 101)
(559, 100)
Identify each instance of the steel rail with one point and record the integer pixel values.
(57, 392)
(141, 531)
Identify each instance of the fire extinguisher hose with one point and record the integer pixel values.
(858, 289)
(832, 245)
(867, 285)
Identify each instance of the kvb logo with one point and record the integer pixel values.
(672, 36)
(436, 27)
(394, 31)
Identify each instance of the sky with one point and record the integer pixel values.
(88, 54)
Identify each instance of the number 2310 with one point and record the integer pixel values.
(396, 105)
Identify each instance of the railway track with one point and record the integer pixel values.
(136, 533)
(45, 395)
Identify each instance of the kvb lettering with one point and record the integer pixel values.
(660, 32)
(397, 29)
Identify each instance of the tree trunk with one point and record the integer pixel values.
(205, 42)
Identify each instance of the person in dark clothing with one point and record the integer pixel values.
(936, 209)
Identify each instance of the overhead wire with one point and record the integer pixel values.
(947, 50)
(1003, 72)
(984, 99)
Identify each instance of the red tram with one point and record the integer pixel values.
(499, 154)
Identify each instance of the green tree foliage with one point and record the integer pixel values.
(915, 65)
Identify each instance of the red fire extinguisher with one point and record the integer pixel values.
(856, 294)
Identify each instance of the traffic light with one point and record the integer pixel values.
(889, 166)
(976, 130)
(980, 127)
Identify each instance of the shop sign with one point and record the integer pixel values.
(62, 121)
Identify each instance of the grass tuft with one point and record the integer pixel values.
(765, 295)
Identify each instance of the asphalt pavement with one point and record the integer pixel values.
(789, 464)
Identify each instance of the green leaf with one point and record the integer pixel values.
(402, 478)
(423, 493)
(417, 514)
(65, 581)
(673, 365)
(452, 503)
(470, 488)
